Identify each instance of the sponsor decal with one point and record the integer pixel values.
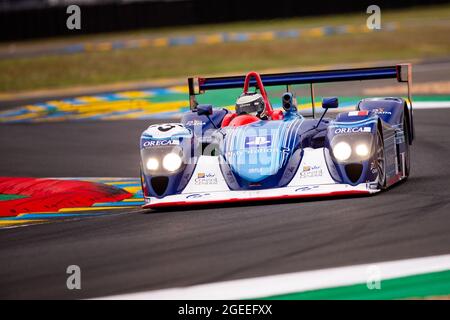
(205, 179)
(306, 188)
(373, 167)
(261, 141)
(353, 130)
(192, 123)
(196, 195)
(373, 186)
(358, 113)
(155, 143)
(381, 111)
(257, 170)
(251, 151)
(311, 172)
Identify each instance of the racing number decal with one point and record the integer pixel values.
(166, 127)
(167, 130)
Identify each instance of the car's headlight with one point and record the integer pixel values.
(152, 164)
(172, 162)
(362, 150)
(342, 151)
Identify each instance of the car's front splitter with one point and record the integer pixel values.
(305, 191)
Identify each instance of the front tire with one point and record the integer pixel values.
(407, 147)
(380, 161)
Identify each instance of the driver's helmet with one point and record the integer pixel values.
(250, 103)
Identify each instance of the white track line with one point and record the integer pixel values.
(435, 66)
(431, 105)
(295, 282)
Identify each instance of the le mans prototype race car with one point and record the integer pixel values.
(258, 153)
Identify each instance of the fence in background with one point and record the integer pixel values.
(120, 16)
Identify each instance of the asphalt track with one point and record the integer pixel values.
(144, 250)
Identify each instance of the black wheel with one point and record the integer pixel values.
(141, 177)
(407, 155)
(380, 161)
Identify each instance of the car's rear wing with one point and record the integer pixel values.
(401, 72)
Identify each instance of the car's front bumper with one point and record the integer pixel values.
(305, 191)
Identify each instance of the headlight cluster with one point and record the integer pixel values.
(170, 162)
(152, 164)
(342, 151)
(362, 150)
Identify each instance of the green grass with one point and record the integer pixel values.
(6, 197)
(436, 284)
(422, 33)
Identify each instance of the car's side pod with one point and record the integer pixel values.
(391, 110)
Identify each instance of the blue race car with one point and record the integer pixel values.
(259, 153)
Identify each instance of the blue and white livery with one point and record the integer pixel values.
(214, 156)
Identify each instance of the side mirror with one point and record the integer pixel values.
(204, 110)
(330, 103)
